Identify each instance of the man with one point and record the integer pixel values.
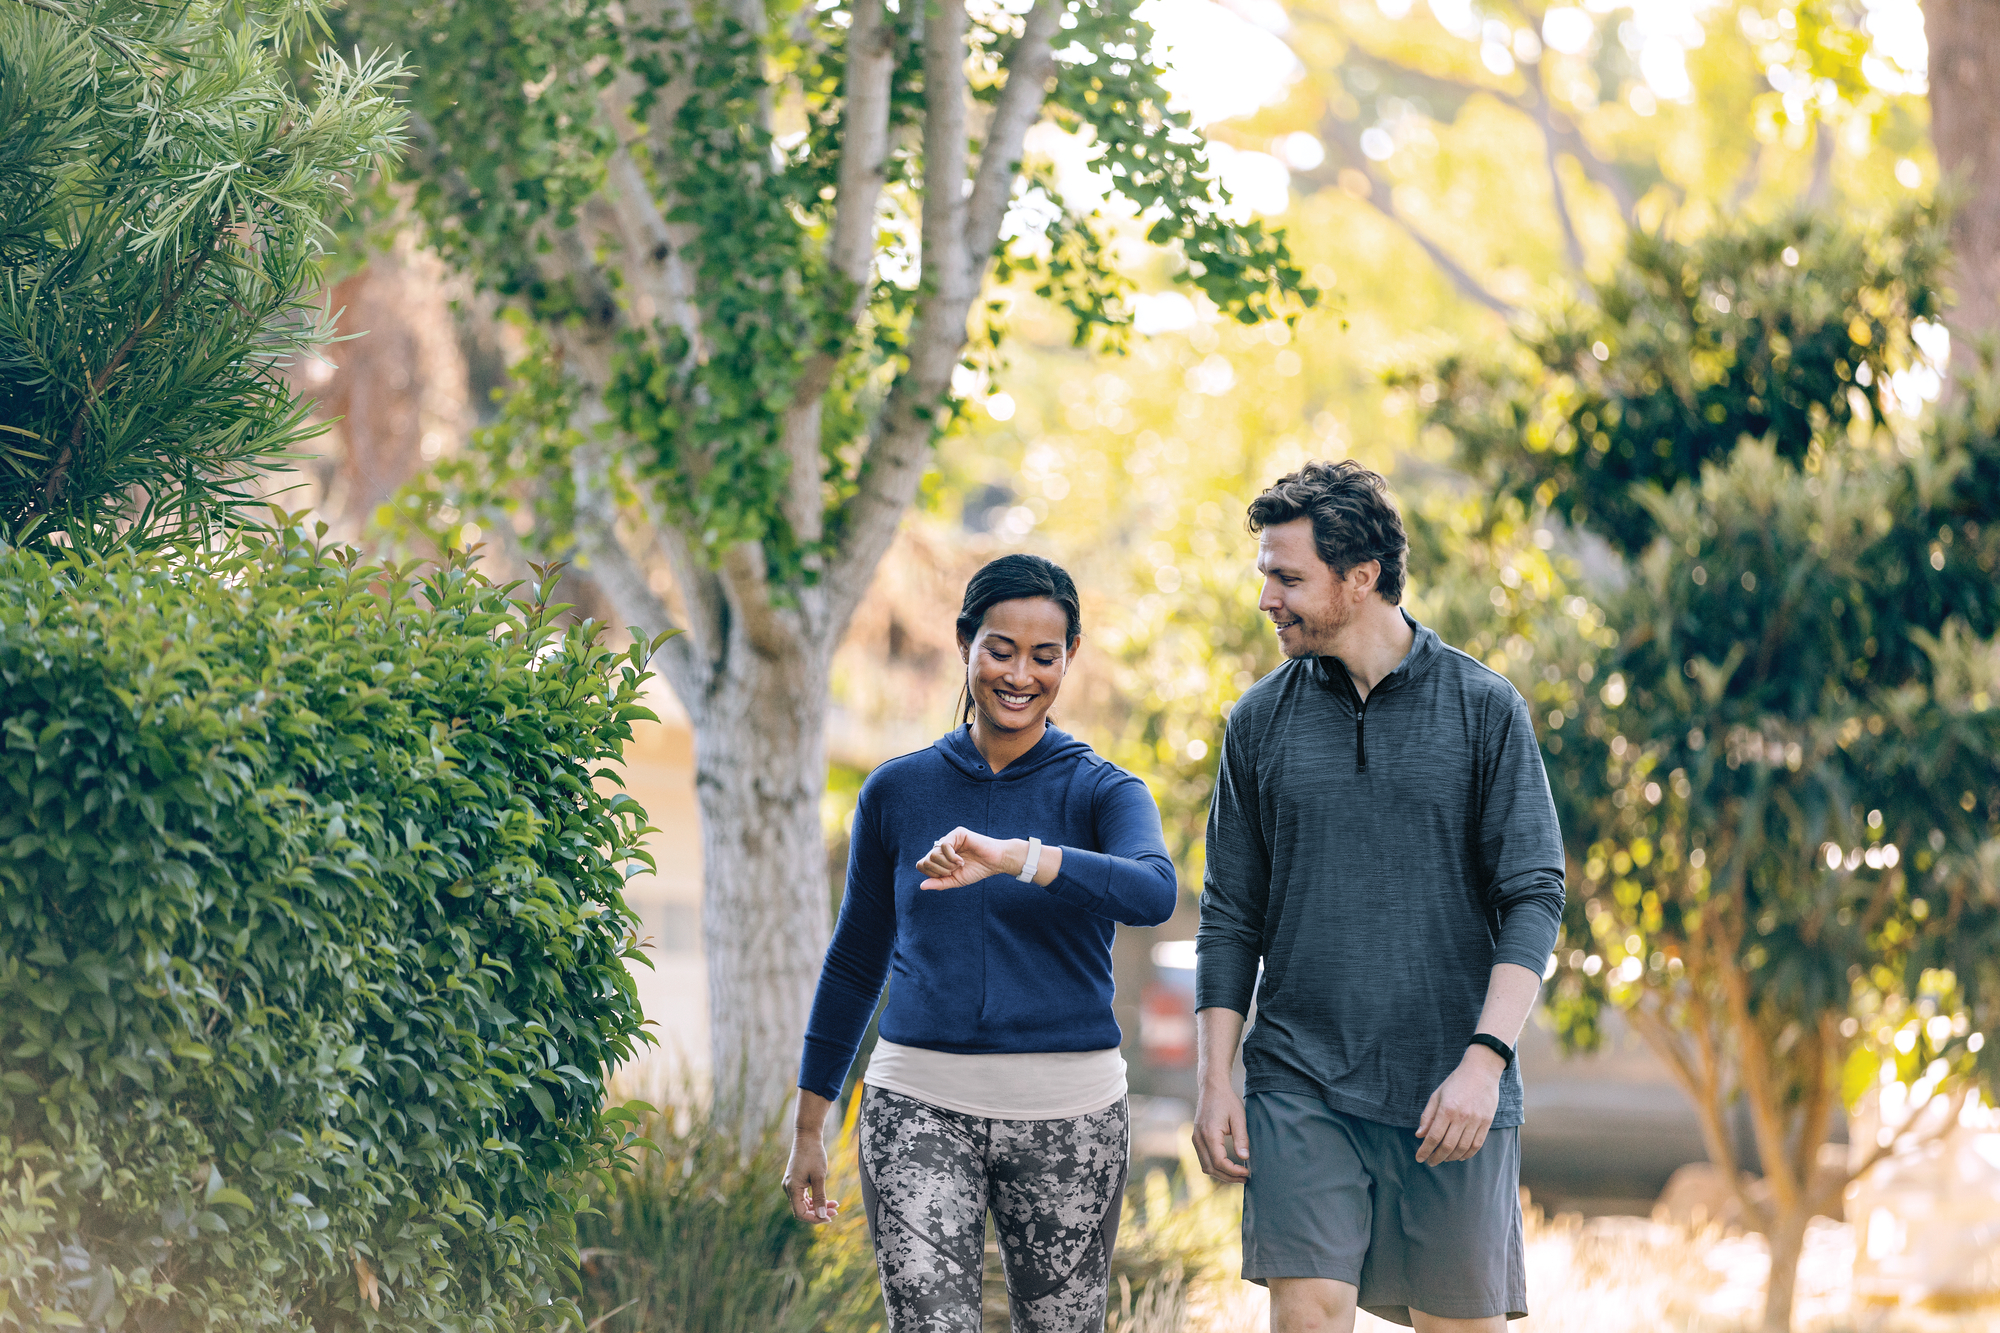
(1383, 842)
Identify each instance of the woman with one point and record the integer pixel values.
(987, 873)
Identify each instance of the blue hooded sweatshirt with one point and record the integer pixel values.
(997, 966)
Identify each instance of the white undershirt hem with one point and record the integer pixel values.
(1034, 1085)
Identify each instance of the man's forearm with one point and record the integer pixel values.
(1217, 1032)
(1511, 991)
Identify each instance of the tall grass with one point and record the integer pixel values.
(698, 1238)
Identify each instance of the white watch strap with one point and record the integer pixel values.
(1033, 863)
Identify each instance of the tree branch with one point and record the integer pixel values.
(170, 294)
(899, 444)
(653, 246)
(773, 630)
(1700, 1078)
(704, 602)
(1787, 1191)
(946, 266)
(674, 19)
(864, 144)
(864, 160)
(1818, 1104)
(1707, 952)
(1572, 243)
(1606, 174)
(612, 568)
(1559, 127)
(1657, 1031)
(1342, 134)
(1020, 106)
(1902, 1132)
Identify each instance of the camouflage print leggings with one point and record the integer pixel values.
(928, 1177)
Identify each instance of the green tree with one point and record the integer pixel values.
(1780, 333)
(1773, 755)
(164, 196)
(750, 245)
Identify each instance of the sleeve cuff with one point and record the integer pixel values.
(1080, 882)
(1223, 983)
(823, 1068)
(1537, 965)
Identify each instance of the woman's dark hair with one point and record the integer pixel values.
(1008, 579)
(1353, 519)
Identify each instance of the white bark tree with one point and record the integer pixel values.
(750, 246)
(1965, 129)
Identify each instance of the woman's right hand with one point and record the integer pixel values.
(805, 1178)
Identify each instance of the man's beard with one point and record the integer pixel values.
(1316, 633)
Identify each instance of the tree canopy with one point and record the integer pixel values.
(1773, 760)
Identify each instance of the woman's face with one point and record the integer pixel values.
(1015, 663)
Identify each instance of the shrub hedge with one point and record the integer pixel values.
(312, 942)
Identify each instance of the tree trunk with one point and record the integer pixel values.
(760, 769)
(1965, 129)
(1788, 1241)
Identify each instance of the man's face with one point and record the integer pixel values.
(1308, 605)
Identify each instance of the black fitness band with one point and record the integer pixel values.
(1493, 1044)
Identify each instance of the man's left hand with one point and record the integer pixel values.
(1461, 1110)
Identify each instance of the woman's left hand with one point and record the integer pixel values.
(963, 857)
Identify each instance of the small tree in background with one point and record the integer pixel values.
(1773, 746)
(164, 192)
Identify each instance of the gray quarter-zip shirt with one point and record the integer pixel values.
(1377, 857)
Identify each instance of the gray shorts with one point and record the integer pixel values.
(1335, 1196)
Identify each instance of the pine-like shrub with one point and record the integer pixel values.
(168, 174)
(312, 943)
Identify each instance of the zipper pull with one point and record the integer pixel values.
(1361, 739)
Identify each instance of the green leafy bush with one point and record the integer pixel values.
(314, 946)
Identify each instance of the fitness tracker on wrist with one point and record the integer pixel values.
(1493, 1044)
(1033, 863)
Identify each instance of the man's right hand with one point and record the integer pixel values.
(1220, 1139)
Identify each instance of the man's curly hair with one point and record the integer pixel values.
(1353, 519)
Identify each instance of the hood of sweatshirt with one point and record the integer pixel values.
(957, 748)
